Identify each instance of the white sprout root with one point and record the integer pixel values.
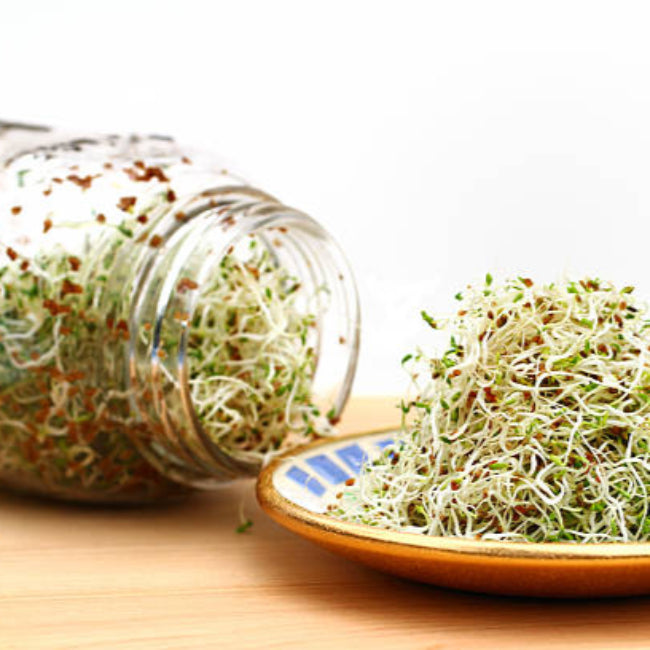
(533, 426)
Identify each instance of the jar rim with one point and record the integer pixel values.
(242, 212)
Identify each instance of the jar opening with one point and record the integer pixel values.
(253, 339)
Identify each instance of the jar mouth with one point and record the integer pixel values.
(227, 221)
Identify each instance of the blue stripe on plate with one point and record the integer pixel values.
(301, 477)
(353, 456)
(328, 469)
(382, 444)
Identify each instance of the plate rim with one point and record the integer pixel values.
(292, 515)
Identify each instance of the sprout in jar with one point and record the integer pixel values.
(69, 424)
(251, 362)
(533, 425)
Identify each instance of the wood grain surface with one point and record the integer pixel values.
(180, 577)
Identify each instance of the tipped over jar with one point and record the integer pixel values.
(163, 324)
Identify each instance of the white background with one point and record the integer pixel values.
(437, 141)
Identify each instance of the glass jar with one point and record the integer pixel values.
(163, 325)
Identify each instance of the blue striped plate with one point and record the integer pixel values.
(313, 477)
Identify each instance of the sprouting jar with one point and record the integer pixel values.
(162, 323)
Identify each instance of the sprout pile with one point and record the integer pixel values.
(533, 425)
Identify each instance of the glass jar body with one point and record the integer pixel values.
(110, 247)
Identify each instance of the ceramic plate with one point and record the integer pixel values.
(296, 489)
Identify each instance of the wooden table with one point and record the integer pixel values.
(179, 576)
